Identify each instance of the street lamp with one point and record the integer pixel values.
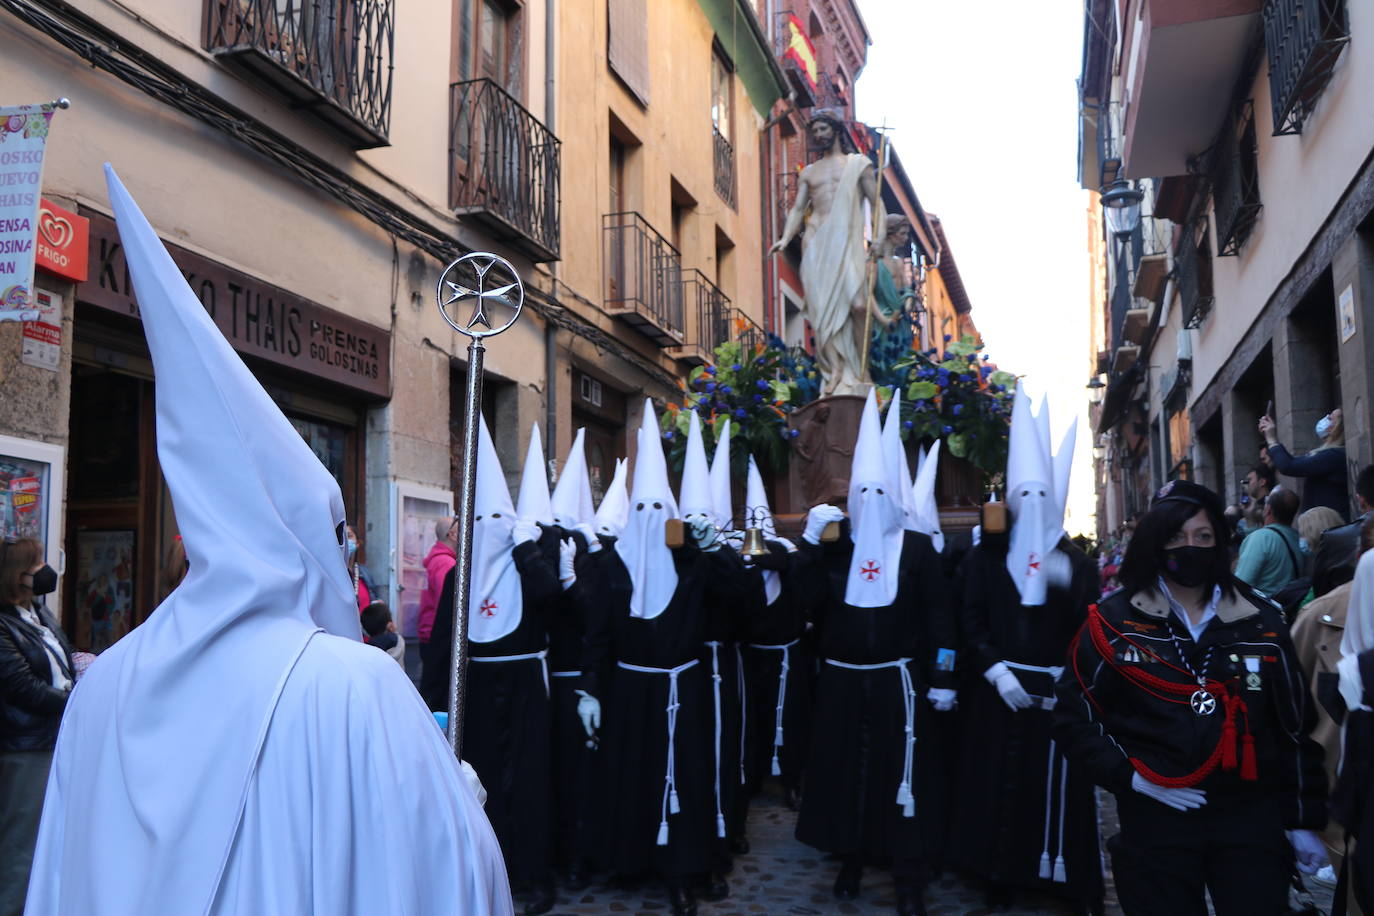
(1121, 207)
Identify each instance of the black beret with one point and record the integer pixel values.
(1185, 491)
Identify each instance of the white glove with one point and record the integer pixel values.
(942, 698)
(734, 538)
(704, 533)
(567, 552)
(817, 519)
(475, 784)
(588, 532)
(589, 711)
(1013, 694)
(791, 548)
(524, 532)
(1178, 799)
(1309, 850)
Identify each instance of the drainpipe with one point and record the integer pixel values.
(550, 330)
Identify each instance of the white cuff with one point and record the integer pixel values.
(996, 671)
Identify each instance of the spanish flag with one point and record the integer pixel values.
(800, 50)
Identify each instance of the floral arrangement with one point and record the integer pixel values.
(960, 399)
(750, 385)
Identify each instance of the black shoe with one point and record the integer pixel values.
(847, 884)
(739, 844)
(682, 901)
(575, 879)
(714, 888)
(909, 902)
(543, 900)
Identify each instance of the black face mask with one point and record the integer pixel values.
(1189, 566)
(45, 580)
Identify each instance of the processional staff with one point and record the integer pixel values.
(489, 281)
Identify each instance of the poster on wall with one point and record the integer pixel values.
(104, 587)
(42, 343)
(23, 138)
(21, 498)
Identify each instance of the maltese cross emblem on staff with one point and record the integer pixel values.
(487, 288)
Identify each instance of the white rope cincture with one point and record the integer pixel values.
(1054, 870)
(905, 798)
(743, 709)
(542, 655)
(670, 799)
(782, 698)
(715, 687)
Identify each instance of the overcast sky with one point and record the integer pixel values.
(983, 108)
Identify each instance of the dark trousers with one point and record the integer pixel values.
(23, 782)
(1165, 860)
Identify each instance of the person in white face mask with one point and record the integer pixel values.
(506, 731)
(1323, 470)
(242, 751)
(644, 656)
(777, 666)
(886, 635)
(1024, 816)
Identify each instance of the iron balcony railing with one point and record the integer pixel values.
(1303, 39)
(725, 166)
(1235, 182)
(333, 56)
(1110, 133)
(743, 329)
(708, 318)
(1193, 274)
(643, 277)
(788, 184)
(504, 168)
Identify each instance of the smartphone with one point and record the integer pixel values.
(1269, 409)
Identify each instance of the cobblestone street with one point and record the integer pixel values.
(781, 876)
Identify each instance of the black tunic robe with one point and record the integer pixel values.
(634, 719)
(776, 624)
(858, 748)
(506, 722)
(1005, 794)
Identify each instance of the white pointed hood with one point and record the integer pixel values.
(572, 495)
(927, 511)
(1063, 467)
(641, 545)
(894, 455)
(614, 511)
(175, 713)
(695, 495)
(721, 508)
(875, 518)
(1031, 500)
(533, 504)
(495, 599)
(757, 514)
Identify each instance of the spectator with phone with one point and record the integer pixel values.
(1248, 514)
(1322, 469)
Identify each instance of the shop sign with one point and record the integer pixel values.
(258, 319)
(42, 341)
(60, 244)
(23, 139)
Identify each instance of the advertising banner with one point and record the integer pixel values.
(23, 136)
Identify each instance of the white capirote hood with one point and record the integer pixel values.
(533, 504)
(495, 599)
(758, 514)
(721, 507)
(875, 518)
(614, 512)
(572, 495)
(641, 544)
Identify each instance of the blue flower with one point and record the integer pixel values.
(986, 357)
(793, 433)
(736, 367)
(761, 385)
(724, 389)
(758, 398)
(948, 338)
(948, 430)
(958, 409)
(759, 361)
(667, 434)
(710, 370)
(703, 400)
(741, 412)
(907, 424)
(710, 386)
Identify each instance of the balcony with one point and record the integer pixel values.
(1126, 356)
(745, 331)
(708, 313)
(330, 57)
(643, 278)
(725, 167)
(1193, 273)
(1235, 182)
(504, 168)
(1153, 270)
(1137, 319)
(1186, 59)
(1302, 39)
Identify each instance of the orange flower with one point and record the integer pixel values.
(740, 325)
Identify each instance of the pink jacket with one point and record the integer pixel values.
(438, 562)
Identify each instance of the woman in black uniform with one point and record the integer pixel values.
(1184, 698)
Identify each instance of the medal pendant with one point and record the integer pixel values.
(1203, 703)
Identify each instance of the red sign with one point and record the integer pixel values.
(61, 245)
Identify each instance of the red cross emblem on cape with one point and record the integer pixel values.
(870, 571)
(1033, 566)
(488, 608)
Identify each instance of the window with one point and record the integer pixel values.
(1303, 39)
(722, 104)
(627, 45)
(1235, 181)
(616, 202)
(490, 44)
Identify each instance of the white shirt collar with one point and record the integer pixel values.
(1194, 630)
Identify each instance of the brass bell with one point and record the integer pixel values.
(753, 543)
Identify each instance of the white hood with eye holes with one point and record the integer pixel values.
(495, 598)
(614, 511)
(875, 518)
(1033, 502)
(641, 545)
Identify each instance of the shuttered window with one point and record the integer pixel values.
(627, 44)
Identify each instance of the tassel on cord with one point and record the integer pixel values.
(909, 809)
(777, 769)
(673, 806)
(720, 826)
(1061, 874)
(1045, 865)
(1049, 803)
(1249, 770)
(663, 833)
(777, 736)
(1228, 744)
